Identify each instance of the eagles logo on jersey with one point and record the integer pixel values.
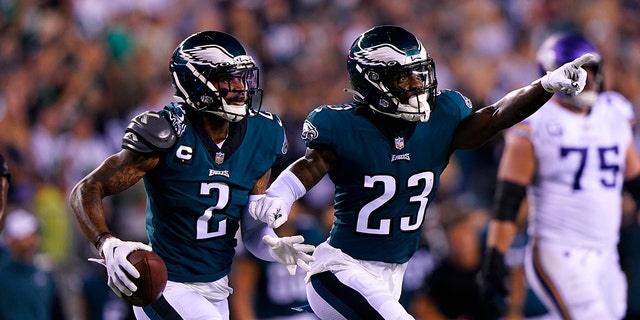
(309, 132)
(177, 120)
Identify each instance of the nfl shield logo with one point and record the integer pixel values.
(399, 143)
(219, 158)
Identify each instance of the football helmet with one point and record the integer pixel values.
(212, 72)
(560, 48)
(381, 58)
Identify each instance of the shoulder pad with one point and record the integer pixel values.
(148, 132)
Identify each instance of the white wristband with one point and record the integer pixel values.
(255, 197)
(544, 81)
(288, 187)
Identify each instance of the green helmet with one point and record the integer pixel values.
(204, 61)
(378, 55)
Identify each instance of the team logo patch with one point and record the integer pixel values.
(215, 55)
(379, 55)
(219, 158)
(309, 131)
(177, 122)
(554, 129)
(285, 146)
(399, 142)
(468, 102)
(211, 54)
(405, 156)
(224, 173)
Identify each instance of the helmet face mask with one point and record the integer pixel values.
(212, 73)
(400, 83)
(391, 72)
(562, 48)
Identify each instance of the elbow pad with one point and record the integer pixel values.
(149, 132)
(507, 200)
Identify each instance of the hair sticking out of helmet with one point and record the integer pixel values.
(391, 72)
(211, 72)
(564, 47)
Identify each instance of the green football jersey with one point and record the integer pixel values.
(197, 192)
(383, 185)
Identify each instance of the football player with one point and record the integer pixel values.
(385, 153)
(571, 160)
(201, 159)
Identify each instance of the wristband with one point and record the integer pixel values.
(288, 187)
(544, 81)
(255, 197)
(507, 200)
(99, 237)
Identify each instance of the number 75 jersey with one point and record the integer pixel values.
(575, 196)
(383, 185)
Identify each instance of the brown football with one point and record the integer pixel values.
(152, 280)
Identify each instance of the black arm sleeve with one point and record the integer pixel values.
(149, 132)
(508, 198)
(632, 186)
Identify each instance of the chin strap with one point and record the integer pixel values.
(227, 115)
(419, 103)
(405, 109)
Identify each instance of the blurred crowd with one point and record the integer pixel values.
(74, 72)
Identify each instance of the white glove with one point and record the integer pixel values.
(570, 78)
(270, 210)
(115, 252)
(273, 208)
(290, 251)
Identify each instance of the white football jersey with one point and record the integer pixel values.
(575, 196)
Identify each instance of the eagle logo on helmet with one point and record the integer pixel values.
(211, 54)
(386, 54)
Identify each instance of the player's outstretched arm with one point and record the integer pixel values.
(517, 105)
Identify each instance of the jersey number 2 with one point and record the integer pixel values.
(202, 226)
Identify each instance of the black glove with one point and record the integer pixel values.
(493, 291)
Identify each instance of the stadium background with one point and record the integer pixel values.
(74, 72)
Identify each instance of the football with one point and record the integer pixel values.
(152, 280)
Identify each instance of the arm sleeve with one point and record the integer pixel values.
(252, 232)
(507, 200)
